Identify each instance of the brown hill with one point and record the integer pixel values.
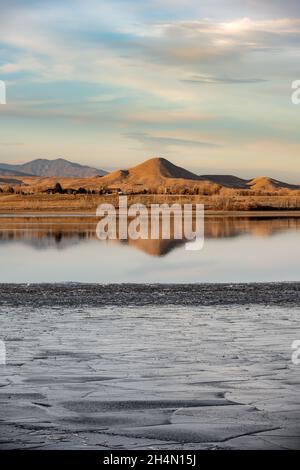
(152, 174)
(263, 183)
(152, 171)
(159, 172)
(160, 167)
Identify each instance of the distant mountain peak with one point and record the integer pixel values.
(58, 167)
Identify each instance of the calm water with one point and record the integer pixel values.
(64, 249)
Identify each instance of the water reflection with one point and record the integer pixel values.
(60, 233)
(66, 249)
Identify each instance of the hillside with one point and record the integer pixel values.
(227, 181)
(152, 174)
(7, 170)
(159, 172)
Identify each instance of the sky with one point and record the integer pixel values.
(110, 83)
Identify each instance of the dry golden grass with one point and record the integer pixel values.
(89, 202)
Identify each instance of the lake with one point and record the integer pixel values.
(168, 366)
(65, 248)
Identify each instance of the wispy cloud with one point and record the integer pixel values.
(164, 142)
(222, 80)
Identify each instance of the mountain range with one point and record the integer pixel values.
(150, 175)
(44, 167)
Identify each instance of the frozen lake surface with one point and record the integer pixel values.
(200, 367)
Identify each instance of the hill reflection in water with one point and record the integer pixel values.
(66, 249)
(61, 233)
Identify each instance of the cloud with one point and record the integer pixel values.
(51, 48)
(170, 116)
(163, 142)
(196, 79)
(210, 41)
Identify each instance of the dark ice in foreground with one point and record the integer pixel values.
(198, 368)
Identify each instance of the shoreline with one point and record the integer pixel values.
(52, 213)
(137, 295)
